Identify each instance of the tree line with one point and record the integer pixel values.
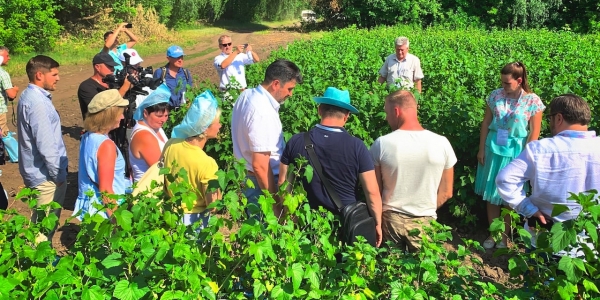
(35, 25)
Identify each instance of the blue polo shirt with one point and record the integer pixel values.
(342, 156)
(177, 85)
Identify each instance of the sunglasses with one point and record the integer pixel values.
(226, 45)
(548, 117)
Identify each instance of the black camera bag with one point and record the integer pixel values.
(356, 218)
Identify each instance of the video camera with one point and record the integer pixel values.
(139, 78)
(138, 81)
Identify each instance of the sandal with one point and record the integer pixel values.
(489, 243)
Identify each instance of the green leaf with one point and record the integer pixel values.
(562, 236)
(592, 231)
(170, 218)
(297, 275)
(147, 248)
(128, 291)
(112, 260)
(559, 209)
(308, 173)
(124, 218)
(430, 276)
(567, 265)
(258, 288)
(590, 286)
(92, 293)
(172, 295)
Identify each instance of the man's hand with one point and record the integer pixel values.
(379, 235)
(122, 26)
(538, 214)
(248, 48)
(239, 48)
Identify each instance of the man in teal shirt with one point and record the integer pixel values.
(112, 47)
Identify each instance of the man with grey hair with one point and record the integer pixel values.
(7, 90)
(402, 69)
(569, 162)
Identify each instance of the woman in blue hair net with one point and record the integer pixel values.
(147, 136)
(185, 150)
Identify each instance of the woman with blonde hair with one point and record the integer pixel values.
(513, 117)
(101, 164)
(185, 150)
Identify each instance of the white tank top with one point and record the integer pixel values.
(138, 165)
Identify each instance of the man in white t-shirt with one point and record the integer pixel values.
(402, 69)
(256, 129)
(232, 60)
(414, 169)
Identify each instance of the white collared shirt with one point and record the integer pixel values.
(256, 127)
(402, 73)
(555, 167)
(235, 69)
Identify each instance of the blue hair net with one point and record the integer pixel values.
(199, 116)
(162, 94)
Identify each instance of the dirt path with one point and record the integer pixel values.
(199, 61)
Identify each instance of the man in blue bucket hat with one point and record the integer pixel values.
(345, 159)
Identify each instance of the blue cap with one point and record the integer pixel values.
(175, 51)
(162, 94)
(337, 98)
(198, 118)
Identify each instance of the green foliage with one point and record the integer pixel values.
(573, 272)
(461, 69)
(145, 252)
(257, 10)
(28, 25)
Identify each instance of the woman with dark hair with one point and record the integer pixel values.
(101, 163)
(147, 137)
(513, 117)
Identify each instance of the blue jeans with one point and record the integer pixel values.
(252, 194)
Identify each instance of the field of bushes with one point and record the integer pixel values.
(147, 254)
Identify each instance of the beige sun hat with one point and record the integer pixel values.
(106, 99)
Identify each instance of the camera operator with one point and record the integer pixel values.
(103, 65)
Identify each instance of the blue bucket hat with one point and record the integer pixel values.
(198, 118)
(174, 51)
(162, 94)
(337, 98)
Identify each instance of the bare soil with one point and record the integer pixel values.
(494, 269)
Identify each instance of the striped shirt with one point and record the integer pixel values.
(42, 151)
(5, 84)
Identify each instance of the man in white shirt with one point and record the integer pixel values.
(402, 69)
(256, 129)
(232, 60)
(569, 162)
(414, 168)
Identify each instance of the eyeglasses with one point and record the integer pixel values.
(548, 117)
(226, 45)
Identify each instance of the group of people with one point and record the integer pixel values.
(406, 175)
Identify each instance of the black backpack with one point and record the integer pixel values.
(356, 218)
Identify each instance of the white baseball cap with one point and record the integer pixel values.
(134, 56)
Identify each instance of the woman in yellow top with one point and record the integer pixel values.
(184, 150)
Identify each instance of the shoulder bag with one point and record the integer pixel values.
(356, 219)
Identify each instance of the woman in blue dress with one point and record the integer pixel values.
(101, 163)
(513, 117)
